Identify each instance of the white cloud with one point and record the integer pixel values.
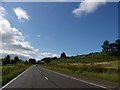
(88, 6)
(2, 12)
(21, 14)
(43, 55)
(13, 42)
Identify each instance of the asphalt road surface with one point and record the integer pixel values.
(38, 77)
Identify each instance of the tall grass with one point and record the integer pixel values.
(99, 65)
(97, 71)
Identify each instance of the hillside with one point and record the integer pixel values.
(100, 65)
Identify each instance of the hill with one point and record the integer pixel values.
(102, 65)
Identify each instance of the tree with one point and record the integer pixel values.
(63, 55)
(54, 58)
(16, 59)
(117, 42)
(6, 60)
(12, 61)
(47, 59)
(113, 47)
(26, 62)
(32, 61)
(105, 46)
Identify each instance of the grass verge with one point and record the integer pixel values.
(11, 71)
(103, 70)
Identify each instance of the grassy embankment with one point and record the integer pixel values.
(99, 65)
(10, 71)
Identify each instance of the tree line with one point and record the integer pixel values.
(113, 48)
(49, 59)
(8, 60)
(15, 60)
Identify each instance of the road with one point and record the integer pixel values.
(38, 77)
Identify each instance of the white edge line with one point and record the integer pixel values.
(14, 79)
(78, 79)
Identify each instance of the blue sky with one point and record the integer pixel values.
(54, 27)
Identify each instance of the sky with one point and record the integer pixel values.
(46, 29)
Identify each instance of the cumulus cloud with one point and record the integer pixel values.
(21, 14)
(43, 55)
(13, 41)
(88, 6)
(2, 12)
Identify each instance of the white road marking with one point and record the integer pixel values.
(38, 70)
(78, 79)
(14, 78)
(46, 78)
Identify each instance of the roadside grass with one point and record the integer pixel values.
(85, 70)
(99, 65)
(90, 58)
(1, 78)
(11, 71)
(0, 74)
(107, 76)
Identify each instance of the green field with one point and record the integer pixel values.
(99, 65)
(10, 71)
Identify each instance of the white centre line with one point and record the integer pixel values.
(46, 78)
(40, 72)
